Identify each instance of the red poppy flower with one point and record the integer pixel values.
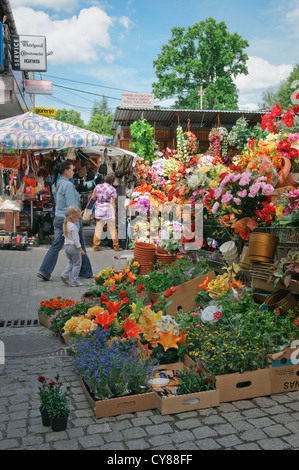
(104, 298)
(140, 288)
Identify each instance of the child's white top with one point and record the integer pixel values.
(73, 235)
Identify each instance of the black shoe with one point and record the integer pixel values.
(43, 277)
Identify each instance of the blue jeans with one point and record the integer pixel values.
(51, 257)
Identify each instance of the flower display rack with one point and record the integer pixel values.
(259, 275)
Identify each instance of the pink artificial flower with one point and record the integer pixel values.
(242, 193)
(217, 193)
(215, 207)
(226, 197)
(268, 189)
(237, 201)
(245, 178)
(254, 189)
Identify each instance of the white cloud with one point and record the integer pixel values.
(261, 75)
(78, 39)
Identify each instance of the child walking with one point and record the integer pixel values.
(72, 246)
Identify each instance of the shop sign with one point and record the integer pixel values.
(137, 100)
(39, 87)
(48, 112)
(29, 53)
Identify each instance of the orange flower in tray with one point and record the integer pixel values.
(168, 340)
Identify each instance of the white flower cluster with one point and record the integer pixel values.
(167, 323)
(198, 179)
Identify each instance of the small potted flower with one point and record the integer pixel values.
(54, 404)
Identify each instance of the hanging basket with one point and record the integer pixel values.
(262, 247)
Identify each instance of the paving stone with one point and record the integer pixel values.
(158, 429)
(276, 430)
(137, 444)
(204, 432)
(229, 442)
(91, 441)
(274, 444)
(208, 444)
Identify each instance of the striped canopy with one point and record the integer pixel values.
(32, 131)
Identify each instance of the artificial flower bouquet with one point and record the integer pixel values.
(241, 197)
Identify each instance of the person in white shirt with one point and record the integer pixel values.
(72, 246)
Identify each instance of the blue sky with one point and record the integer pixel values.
(109, 46)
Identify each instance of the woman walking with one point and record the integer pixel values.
(65, 195)
(105, 194)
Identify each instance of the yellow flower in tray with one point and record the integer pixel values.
(71, 324)
(84, 326)
(91, 312)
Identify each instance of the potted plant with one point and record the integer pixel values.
(54, 403)
(285, 269)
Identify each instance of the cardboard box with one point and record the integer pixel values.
(179, 403)
(184, 297)
(121, 405)
(250, 384)
(284, 370)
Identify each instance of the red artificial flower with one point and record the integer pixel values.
(251, 143)
(131, 329)
(276, 111)
(126, 300)
(41, 379)
(122, 294)
(105, 319)
(293, 153)
(113, 288)
(284, 145)
(96, 278)
(207, 381)
(288, 119)
(295, 108)
(113, 306)
(51, 384)
(140, 288)
(104, 298)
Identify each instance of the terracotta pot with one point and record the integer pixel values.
(161, 250)
(282, 179)
(166, 258)
(145, 246)
(262, 247)
(283, 299)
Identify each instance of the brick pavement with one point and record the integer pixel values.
(265, 423)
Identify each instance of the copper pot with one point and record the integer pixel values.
(282, 299)
(262, 247)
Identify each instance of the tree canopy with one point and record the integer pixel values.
(206, 55)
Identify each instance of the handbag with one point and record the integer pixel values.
(87, 214)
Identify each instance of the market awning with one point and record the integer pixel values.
(34, 132)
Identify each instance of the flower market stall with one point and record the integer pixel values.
(201, 314)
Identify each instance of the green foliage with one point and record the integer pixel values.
(142, 141)
(194, 380)
(240, 134)
(101, 124)
(206, 54)
(179, 272)
(71, 117)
